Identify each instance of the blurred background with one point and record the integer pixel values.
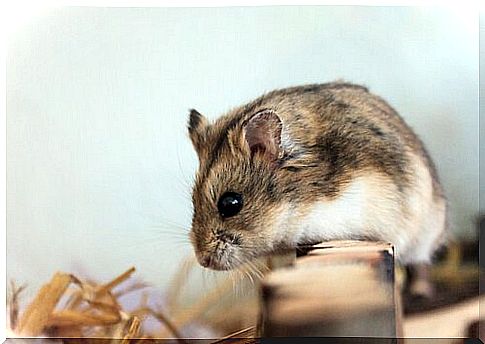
(99, 165)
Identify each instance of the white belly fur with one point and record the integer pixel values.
(372, 207)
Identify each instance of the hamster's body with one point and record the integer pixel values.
(308, 164)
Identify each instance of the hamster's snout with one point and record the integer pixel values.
(214, 261)
(217, 251)
(230, 238)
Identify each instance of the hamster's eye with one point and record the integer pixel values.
(230, 204)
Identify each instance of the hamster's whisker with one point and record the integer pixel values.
(247, 274)
(171, 235)
(246, 269)
(184, 183)
(253, 271)
(159, 241)
(165, 223)
(167, 230)
(240, 276)
(256, 269)
(231, 276)
(250, 277)
(187, 181)
(179, 229)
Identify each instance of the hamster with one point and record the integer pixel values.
(308, 164)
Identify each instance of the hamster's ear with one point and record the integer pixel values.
(263, 134)
(197, 126)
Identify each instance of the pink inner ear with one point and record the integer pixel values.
(263, 134)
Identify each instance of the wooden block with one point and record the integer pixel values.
(336, 289)
(282, 260)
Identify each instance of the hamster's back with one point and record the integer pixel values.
(347, 132)
(350, 126)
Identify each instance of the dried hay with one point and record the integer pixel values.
(68, 308)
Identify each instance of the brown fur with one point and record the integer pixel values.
(332, 133)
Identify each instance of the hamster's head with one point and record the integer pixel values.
(237, 192)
